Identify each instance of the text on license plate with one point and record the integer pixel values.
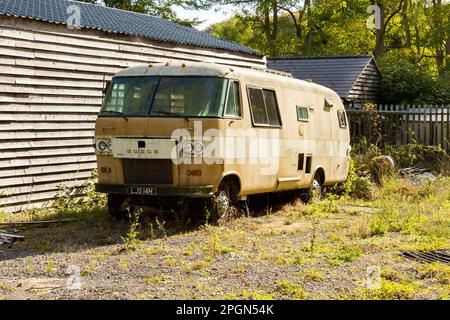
(143, 191)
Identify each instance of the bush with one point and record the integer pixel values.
(358, 185)
(81, 197)
(406, 82)
(431, 157)
(434, 158)
(361, 179)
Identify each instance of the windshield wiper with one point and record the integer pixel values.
(168, 113)
(116, 112)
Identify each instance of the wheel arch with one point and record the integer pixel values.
(234, 176)
(321, 172)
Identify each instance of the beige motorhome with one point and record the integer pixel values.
(200, 130)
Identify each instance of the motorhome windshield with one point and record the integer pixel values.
(166, 97)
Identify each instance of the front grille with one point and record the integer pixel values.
(137, 171)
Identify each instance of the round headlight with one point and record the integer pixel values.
(102, 146)
(198, 148)
(188, 148)
(109, 146)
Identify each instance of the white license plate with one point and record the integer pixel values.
(143, 191)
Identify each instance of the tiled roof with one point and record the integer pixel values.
(118, 21)
(338, 73)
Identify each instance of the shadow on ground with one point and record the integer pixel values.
(96, 228)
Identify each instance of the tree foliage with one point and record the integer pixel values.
(412, 44)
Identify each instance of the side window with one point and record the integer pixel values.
(117, 96)
(233, 107)
(264, 107)
(342, 119)
(257, 106)
(302, 114)
(272, 108)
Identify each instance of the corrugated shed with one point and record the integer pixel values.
(117, 21)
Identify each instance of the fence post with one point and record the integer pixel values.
(441, 124)
(448, 128)
(428, 125)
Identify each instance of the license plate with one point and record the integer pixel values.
(143, 191)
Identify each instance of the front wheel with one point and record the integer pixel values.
(117, 206)
(224, 202)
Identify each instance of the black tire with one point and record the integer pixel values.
(224, 202)
(117, 206)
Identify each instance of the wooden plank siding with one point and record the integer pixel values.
(367, 87)
(51, 81)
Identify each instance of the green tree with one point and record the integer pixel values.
(388, 10)
(412, 46)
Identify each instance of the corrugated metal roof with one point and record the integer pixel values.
(118, 21)
(337, 73)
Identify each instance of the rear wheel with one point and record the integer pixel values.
(316, 186)
(315, 190)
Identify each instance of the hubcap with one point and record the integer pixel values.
(223, 204)
(317, 187)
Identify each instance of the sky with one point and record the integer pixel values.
(210, 17)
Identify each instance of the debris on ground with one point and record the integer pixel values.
(380, 167)
(428, 257)
(9, 238)
(20, 223)
(417, 176)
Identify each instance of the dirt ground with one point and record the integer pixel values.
(331, 249)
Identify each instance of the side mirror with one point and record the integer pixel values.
(106, 88)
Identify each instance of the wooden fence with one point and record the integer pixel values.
(397, 125)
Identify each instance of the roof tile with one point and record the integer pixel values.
(119, 21)
(337, 73)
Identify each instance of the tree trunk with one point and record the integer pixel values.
(405, 23)
(274, 34)
(271, 26)
(439, 41)
(379, 42)
(309, 34)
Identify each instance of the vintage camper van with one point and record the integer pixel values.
(201, 130)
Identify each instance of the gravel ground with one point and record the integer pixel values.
(282, 255)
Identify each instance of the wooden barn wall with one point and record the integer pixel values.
(51, 81)
(367, 87)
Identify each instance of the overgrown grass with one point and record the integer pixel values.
(303, 251)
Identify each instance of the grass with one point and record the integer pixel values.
(390, 290)
(291, 290)
(154, 279)
(345, 254)
(320, 250)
